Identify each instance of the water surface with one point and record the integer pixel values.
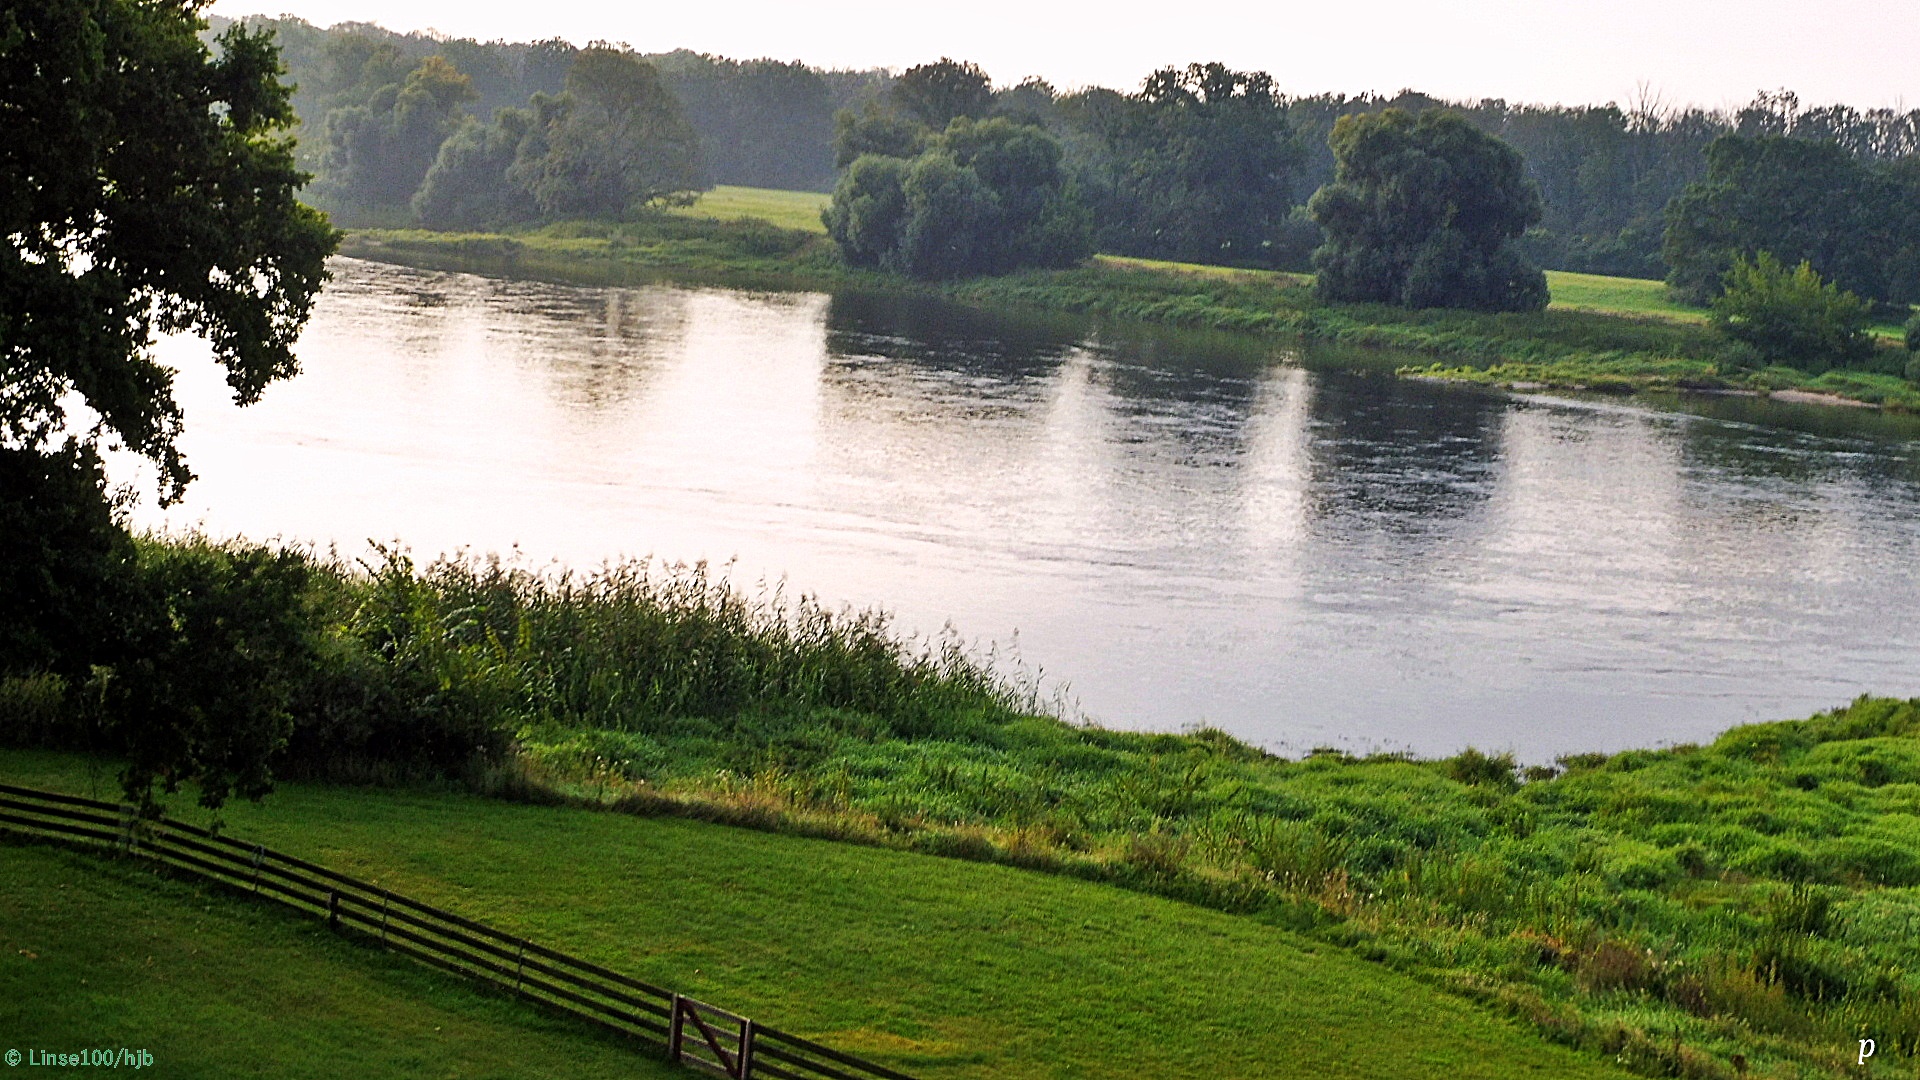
(1181, 530)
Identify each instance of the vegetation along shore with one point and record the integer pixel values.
(1688, 911)
(1600, 333)
(890, 842)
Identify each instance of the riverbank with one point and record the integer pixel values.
(1580, 345)
(1682, 910)
(944, 969)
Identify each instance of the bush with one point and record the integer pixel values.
(65, 563)
(1792, 316)
(218, 638)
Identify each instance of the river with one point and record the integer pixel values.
(1168, 530)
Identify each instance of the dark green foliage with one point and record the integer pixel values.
(615, 143)
(1202, 165)
(952, 222)
(144, 186)
(217, 639)
(1423, 212)
(869, 210)
(761, 123)
(1910, 333)
(1802, 200)
(64, 564)
(467, 187)
(939, 93)
(377, 152)
(1789, 316)
(876, 130)
(612, 146)
(984, 198)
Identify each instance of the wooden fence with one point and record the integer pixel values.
(688, 1031)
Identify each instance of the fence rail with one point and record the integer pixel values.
(691, 1032)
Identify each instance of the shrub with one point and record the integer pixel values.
(1474, 768)
(1792, 316)
(218, 639)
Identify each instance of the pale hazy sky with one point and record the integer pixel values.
(1707, 52)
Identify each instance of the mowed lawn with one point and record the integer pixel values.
(95, 953)
(940, 967)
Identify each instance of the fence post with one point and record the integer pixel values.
(674, 1029)
(746, 1049)
(259, 857)
(127, 816)
(333, 910)
(386, 896)
(520, 964)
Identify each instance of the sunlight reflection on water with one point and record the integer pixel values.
(1183, 532)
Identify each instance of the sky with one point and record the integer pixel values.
(1713, 53)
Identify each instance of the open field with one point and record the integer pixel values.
(788, 209)
(941, 967)
(95, 953)
(1617, 296)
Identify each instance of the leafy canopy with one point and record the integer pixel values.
(1790, 315)
(1423, 212)
(145, 187)
(983, 197)
(1802, 200)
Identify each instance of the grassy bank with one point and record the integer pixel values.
(1610, 334)
(939, 967)
(101, 954)
(1688, 911)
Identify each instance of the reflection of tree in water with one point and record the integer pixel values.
(1195, 389)
(1764, 440)
(992, 347)
(1393, 454)
(596, 346)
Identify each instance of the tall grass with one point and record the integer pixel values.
(1684, 910)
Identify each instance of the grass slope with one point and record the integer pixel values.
(941, 967)
(95, 954)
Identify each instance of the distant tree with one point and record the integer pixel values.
(1423, 212)
(467, 187)
(146, 186)
(1202, 168)
(1791, 316)
(1041, 220)
(876, 129)
(952, 224)
(378, 152)
(984, 197)
(1802, 200)
(1030, 102)
(868, 213)
(761, 123)
(936, 94)
(614, 143)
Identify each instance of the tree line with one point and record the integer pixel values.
(1201, 164)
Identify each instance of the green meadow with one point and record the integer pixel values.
(97, 952)
(797, 210)
(1699, 911)
(940, 967)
